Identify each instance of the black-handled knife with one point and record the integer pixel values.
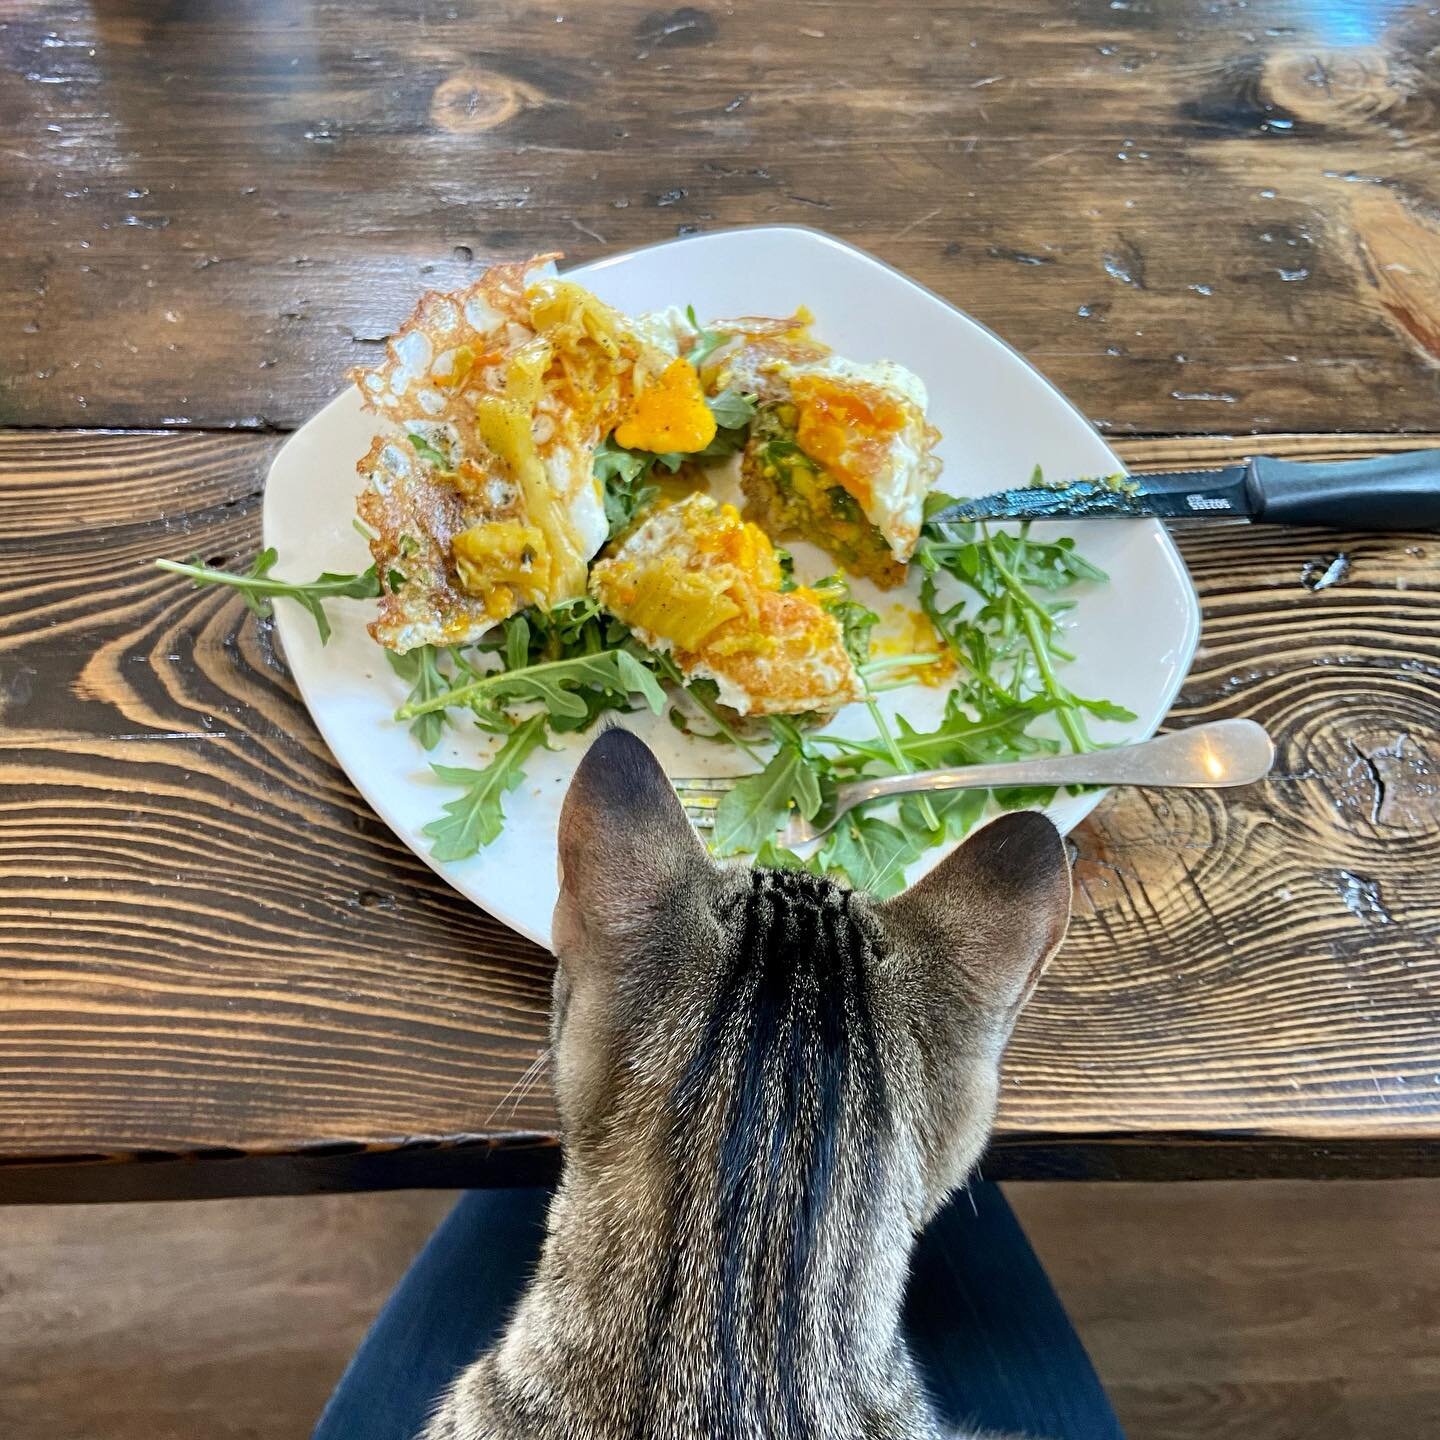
(1390, 492)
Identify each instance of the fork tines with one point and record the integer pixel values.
(701, 794)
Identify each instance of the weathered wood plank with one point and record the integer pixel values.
(1193, 222)
(1212, 1312)
(209, 946)
(1251, 1312)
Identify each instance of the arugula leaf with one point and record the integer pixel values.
(956, 810)
(1024, 797)
(771, 856)
(707, 342)
(621, 473)
(1105, 709)
(476, 818)
(517, 642)
(613, 462)
(856, 620)
(731, 409)
(259, 589)
(635, 677)
(725, 443)
(749, 814)
(559, 685)
(872, 854)
(420, 667)
(936, 501)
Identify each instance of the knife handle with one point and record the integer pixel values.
(1390, 492)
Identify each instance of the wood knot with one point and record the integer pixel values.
(1336, 88)
(1397, 781)
(472, 100)
(1131, 848)
(1361, 761)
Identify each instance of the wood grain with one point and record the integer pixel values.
(1196, 221)
(215, 959)
(1251, 1311)
(1213, 1312)
(230, 1321)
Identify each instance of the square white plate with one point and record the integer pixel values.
(1134, 638)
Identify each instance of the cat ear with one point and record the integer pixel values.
(997, 907)
(625, 843)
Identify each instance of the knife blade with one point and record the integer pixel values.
(1389, 492)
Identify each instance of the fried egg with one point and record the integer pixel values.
(860, 429)
(480, 493)
(697, 582)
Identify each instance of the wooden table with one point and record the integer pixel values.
(1208, 222)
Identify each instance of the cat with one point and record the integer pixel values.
(766, 1083)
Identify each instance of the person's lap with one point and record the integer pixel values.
(994, 1341)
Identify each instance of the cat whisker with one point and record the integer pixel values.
(516, 1094)
(885, 873)
(530, 1080)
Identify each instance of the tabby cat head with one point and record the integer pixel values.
(788, 1000)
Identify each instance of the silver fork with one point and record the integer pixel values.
(1205, 757)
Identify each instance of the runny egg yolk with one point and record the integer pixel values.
(906, 633)
(670, 415)
(847, 428)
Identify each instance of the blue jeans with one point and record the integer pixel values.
(986, 1326)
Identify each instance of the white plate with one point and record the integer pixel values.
(1134, 638)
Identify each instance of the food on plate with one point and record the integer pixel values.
(697, 582)
(841, 453)
(550, 501)
(480, 491)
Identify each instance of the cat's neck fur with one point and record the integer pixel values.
(623, 1332)
(728, 1258)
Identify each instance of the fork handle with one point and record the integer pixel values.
(1222, 753)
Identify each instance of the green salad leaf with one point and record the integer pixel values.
(856, 620)
(559, 686)
(623, 476)
(707, 342)
(870, 853)
(956, 812)
(258, 587)
(476, 818)
(776, 857)
(421, 669)
(752, 811)
(732, 409)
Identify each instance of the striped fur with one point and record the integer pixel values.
(766, 1083)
